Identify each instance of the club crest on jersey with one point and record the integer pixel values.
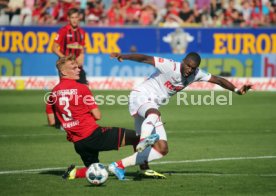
(57, 37)
(160, 60)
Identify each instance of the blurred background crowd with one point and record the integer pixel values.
(165, 13)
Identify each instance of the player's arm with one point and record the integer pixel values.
(96, 113)
(51, 119)
(56, 50)
(59, 39)
(228, 85)
(50, 113)
(141, 58)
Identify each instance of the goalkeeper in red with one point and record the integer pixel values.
(145, 100)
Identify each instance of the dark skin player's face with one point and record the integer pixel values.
(188, 67)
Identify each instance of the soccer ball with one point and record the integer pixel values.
(96, 174)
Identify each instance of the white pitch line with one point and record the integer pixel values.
(223, 175)
(215, 159)
(31, 135)
(219, 131)
(31, 170)
(153, 163)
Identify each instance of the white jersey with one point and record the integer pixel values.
(168, 80)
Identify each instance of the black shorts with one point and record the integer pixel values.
(82, 79)
(102, 139)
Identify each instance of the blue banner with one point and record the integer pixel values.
(28, 65)
(243, 52)
(103, 65)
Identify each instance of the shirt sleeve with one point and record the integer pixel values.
(59, 37)
(49, 109)
(164, 65)
(88, 99)
(202, 75)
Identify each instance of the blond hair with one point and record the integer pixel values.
(61, 61)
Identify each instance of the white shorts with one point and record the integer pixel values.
(140, 103)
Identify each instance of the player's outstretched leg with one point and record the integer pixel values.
(149, 154)
(149, 173)
(117, 171)
(145, 171)
(149, 123)
(72, 173)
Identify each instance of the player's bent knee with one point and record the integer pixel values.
(162, 147)
(165, 151)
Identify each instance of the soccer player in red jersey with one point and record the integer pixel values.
(77, 111)
(70, 38)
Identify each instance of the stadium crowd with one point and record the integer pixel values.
(166, 13)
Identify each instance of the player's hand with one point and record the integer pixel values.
(244, 89)
(116, 55)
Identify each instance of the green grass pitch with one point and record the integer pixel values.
(199, 138)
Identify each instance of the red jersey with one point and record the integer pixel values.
(72, 105)
(70, 41)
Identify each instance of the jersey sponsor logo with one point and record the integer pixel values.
(74, 45)
(69, 35)
(171, 87)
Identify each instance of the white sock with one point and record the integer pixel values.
(148, 125)
(149, 154)
(129, 161)
(160, 130)
(154, 154)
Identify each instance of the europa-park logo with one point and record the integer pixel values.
(244, 43)
(42, 41)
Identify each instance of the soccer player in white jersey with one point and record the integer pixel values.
(145, 99)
